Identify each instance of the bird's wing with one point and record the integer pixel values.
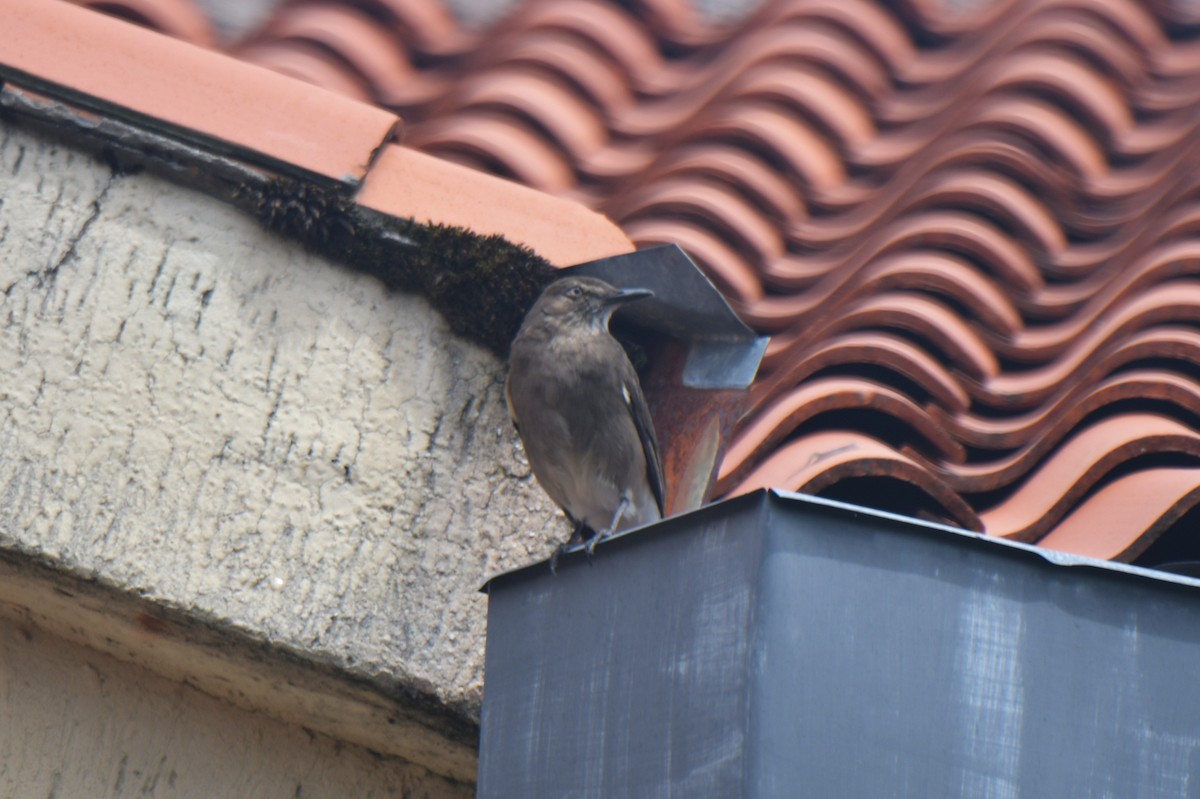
(645, 429)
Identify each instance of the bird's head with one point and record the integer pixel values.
(584, 301)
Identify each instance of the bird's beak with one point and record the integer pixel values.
(626, 296)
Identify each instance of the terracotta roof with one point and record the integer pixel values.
(973, 235)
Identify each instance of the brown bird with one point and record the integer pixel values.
(578, 407)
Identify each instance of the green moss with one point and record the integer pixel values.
(483, 285)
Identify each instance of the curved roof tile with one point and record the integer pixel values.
(1052, 420)
(1075, 466)
(1107, 525)
(821, 460)
(764, 430)
(974, 235)
(178, 18)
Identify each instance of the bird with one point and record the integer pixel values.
(578, 407)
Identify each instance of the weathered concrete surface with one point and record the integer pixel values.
(208, 416)
(78, 723)
(228, 663)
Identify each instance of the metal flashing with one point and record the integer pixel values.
(722, 351)
(780, 640)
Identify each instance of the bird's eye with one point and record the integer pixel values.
(574, 292)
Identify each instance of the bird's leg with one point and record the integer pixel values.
(576, 534)
(558, 550)
(622, 506)
(576, 538)
(619, 513)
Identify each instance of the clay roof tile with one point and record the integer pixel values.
(973, 232)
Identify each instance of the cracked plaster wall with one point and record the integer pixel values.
(212, 417)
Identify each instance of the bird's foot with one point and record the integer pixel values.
(590, 547)
(571, 543)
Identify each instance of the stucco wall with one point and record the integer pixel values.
(81, 724)
(204, 414)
